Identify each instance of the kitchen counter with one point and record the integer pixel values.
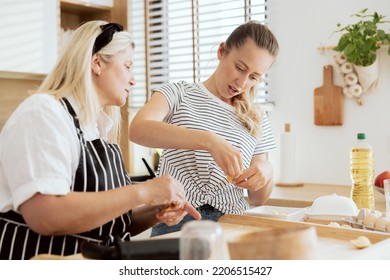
(303, 196)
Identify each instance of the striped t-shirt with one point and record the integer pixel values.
(193, 106)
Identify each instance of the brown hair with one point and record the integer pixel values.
(264, 38)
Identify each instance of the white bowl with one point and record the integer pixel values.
(333, 205)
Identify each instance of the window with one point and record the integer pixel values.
(178, 39)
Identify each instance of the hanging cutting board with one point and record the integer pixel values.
(328, 101)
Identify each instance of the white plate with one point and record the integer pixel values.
(276, 212)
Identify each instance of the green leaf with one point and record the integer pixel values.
(359, 41)
(349, 49)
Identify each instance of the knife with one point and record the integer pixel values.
(150, 170)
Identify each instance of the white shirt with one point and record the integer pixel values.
(40, 150)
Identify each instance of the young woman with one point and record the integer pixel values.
(215, 139)
(62, 176)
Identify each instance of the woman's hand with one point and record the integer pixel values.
(257, 179)
(228, 157)
(252, 178)
(172, 215)
(164, 190)
(169, 193)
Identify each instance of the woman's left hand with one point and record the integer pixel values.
(172, 214)
(257, 179)
(251, 179)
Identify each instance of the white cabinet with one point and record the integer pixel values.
(28, 35)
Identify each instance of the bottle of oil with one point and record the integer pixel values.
(362, 173)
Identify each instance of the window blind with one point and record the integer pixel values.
(178, 40)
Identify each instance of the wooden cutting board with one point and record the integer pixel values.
(328, 101)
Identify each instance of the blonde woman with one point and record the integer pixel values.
(62, 177)
(215, 139)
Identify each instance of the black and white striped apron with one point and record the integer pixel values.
(101, 168)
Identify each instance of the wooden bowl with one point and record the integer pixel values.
(275, 244)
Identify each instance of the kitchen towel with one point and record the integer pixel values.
(287, 170)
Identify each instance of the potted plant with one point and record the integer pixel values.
(359, 44)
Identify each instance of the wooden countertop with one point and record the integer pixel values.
(303, 196)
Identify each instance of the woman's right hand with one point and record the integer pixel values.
(228, 157)
(164, 190)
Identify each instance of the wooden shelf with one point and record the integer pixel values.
(74, 13)
(75, 6)
(21, 75)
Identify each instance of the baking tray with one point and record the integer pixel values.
(333, 242)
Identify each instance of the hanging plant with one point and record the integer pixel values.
(359, 42)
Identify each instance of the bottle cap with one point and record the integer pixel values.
(287, 127)
(361, 136)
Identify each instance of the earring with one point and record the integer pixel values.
(98, 73)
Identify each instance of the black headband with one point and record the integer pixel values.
(105, 37)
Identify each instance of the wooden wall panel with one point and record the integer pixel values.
(12, 93)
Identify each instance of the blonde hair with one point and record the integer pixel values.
(72, 74)
(243, 104)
